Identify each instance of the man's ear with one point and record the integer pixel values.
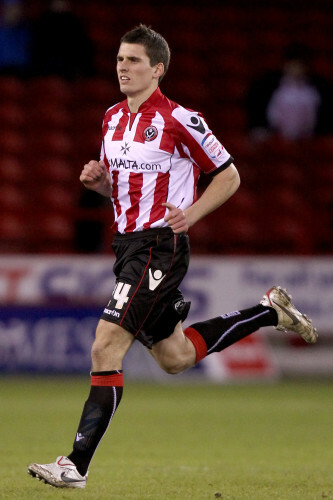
(159, 69)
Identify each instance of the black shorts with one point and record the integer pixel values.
(149, 267)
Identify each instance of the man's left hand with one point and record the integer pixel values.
(176, 219)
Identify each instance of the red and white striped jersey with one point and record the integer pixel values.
(156, 156)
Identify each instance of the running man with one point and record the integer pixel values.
(152, 154)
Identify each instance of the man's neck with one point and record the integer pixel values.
(134, 101)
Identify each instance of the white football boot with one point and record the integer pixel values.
(62, 474)
(289, 318)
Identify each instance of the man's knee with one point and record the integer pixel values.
(100, 348)
(173, 364)
(111, 344)
(174, 368)
(176, 353)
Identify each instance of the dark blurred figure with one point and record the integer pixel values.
(15, 39)
(90, 227)
(292, 102)
(60, 44)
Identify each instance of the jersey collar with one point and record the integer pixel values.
(152, 101)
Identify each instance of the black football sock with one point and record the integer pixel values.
(105, 395)
(218, 333)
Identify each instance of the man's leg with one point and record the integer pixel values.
(184, 349)
(175, 353)
(110, 346)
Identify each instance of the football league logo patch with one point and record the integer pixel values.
(150, 133)
(212, 146)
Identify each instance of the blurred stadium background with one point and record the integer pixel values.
(56, 260)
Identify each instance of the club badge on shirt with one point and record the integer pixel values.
(150, 133)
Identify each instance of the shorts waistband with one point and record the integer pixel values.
(137, 235)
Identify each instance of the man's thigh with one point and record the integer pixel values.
(110, 334)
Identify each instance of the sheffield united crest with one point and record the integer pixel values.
(150, 133)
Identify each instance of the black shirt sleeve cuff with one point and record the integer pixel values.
(222, 167)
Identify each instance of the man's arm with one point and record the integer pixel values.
(221, 188)
(95, 176)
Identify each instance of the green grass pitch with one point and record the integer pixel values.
(175, 442)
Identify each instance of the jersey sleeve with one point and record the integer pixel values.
(198, 142)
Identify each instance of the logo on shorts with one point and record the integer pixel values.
(112, 312)
(179, 304)
(150, 133)
(155, 278)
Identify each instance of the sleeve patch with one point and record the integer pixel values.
(212, 146)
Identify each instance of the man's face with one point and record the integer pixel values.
(135, 74)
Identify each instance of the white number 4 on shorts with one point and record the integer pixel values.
(120, 294)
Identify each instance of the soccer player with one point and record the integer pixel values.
(152, 154)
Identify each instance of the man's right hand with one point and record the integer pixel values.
(94, 176)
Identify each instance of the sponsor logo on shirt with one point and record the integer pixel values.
(197, 124)
(125, 148)
(150, 133)
(132, 164)
(212, 146)
(114, 127)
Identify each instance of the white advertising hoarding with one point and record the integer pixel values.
(214, 285)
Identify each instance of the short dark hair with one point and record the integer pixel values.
(156, 46)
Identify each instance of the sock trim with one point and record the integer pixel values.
(198, 342)
(115, 380)
(112, 372)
